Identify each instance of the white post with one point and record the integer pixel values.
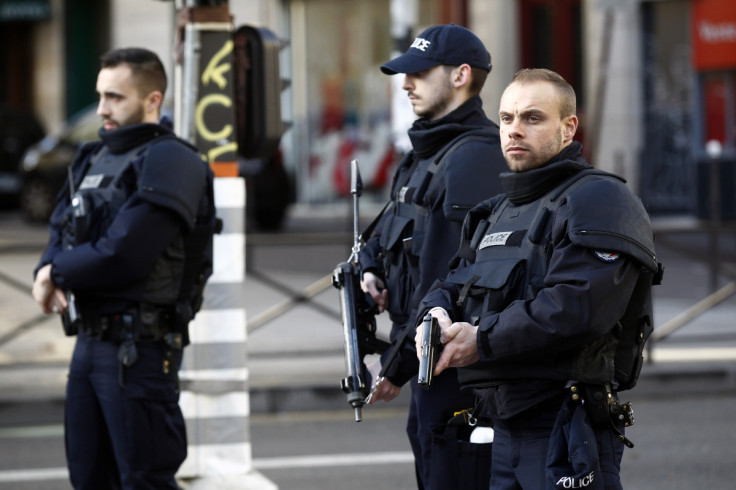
(214, 373)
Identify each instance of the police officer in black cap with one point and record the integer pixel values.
(454, 164)
(549, 304)
(129, 249)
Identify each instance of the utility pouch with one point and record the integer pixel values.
(148, 326)
(457, 463)
(604, 408)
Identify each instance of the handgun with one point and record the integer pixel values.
(431, 348)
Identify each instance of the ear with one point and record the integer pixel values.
(460, 76)
(153, 102)
(570, 127)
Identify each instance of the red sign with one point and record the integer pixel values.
(714, 34)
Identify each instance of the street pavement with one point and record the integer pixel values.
(295, 355)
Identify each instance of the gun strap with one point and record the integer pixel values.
(395, 347)
(369, 229)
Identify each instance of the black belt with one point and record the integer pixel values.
(144, 324)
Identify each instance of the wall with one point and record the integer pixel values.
(48, 89)
(149, 24)
(613, 86)
(495, 22)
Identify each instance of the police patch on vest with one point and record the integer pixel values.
(405, 194)
(607, 256)
(495, 239)
(91, 181)
(503, 239)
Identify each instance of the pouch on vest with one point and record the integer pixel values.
(487, 286)
(396, 265)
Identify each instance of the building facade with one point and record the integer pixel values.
(655, 79)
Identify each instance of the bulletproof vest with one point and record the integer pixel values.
(406, 221)
(98, 196)
(508, 255)
(396, 240)
(108, 182)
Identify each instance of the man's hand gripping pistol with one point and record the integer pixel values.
(430, 350)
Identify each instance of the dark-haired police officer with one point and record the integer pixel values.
(454, 164)
(126, 247)
(549, 282)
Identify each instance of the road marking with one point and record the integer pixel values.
(326, 460)
(37, 474)
(31, 432)
(693, 354)
(330, 460)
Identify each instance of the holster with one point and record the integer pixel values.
(603, 408)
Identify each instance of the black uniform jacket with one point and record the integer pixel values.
(468, 175)
(528, 349)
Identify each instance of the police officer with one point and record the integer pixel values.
(549, 281)
(127, 244)
(454, 164)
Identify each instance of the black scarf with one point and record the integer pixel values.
(525, 187)
(428, 137)
(130, 136)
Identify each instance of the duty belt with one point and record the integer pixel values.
(144, 324)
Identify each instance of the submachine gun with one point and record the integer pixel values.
(71, 319)
(358, 314)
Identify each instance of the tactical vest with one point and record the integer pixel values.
(105, 186)
(405, 223)
(509, 252)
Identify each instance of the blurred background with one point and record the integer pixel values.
(657, 105)
(655, 82)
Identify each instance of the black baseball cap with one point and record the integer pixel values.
(445, 44)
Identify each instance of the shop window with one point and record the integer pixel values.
(667, 163)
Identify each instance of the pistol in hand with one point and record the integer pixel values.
(430, 350)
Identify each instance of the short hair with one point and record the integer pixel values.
(478, 78)
(567, 93)
(145, 65)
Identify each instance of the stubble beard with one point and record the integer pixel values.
(439, 102)
(535, 158)
(135, 118)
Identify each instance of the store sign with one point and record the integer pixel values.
(714, 34)
(19, 10)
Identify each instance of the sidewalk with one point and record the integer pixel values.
(295, 346)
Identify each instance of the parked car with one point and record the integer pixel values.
(44, 172)
(44, 165)
(18, 131)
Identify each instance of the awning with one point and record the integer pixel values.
(17, 10)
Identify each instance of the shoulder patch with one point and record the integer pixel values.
(607, 256)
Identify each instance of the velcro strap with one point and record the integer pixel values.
(466, 288)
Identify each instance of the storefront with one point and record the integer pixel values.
(713, 31)
(340, 102)
(16, 57)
